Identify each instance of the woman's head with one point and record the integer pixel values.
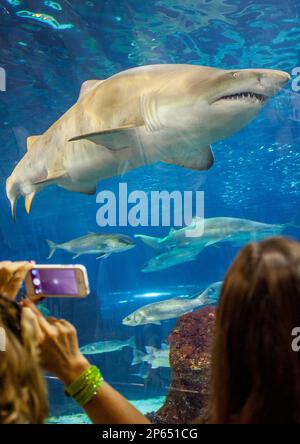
(255, 372)
(22, 390)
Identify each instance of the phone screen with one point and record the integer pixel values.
(54, 281)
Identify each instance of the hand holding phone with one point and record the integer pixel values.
(65, 281)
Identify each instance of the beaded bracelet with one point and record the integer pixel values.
(85, 387)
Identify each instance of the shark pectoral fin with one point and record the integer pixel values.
(28, 201)
(103, 256)
(89, 190)
(30, 141)
(83, 188)
(202, 162)
(113, 139)
(52, 177)
(88, 86)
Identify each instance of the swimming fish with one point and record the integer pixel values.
(107, 346)
(170, 113)
(154, 356)
(94, 243)
(172, 308)
(216, 229)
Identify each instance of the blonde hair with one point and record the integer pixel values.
(23, 395)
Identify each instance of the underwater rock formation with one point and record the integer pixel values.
(190, 358)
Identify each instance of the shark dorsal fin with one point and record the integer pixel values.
(30, 141)
(87, 86)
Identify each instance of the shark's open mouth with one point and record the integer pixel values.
(245, 96)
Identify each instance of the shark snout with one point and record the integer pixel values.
(273, 81)
(269, 81)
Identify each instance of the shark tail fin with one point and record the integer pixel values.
(13, 202)
(138, 357)
(151, 241)
(28, 201)
(52, 247)
(12, 196)
(131, 342)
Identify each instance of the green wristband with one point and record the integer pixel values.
(85, 387)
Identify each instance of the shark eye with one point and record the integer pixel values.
(235, 75)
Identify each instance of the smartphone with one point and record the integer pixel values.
(57, 281)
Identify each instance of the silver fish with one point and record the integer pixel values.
(154, 356)
(93, 243)
(170, 113)
(107, 346)
(172, 308)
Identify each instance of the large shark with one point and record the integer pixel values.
(170, 113)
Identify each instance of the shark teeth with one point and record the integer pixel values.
(245, 96)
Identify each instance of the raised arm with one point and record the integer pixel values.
(61, 356)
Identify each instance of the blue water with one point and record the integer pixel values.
(256, 173)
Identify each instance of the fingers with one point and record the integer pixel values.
(14, 268)
(12, 275)
(29, 317)
(44, 325)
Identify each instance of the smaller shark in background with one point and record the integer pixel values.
(216, 229)
(94, 243)
(179, 246)
(171, 258)
(172, 308)
(107, 346)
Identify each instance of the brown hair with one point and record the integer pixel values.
(255, 372)
(23, 398)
